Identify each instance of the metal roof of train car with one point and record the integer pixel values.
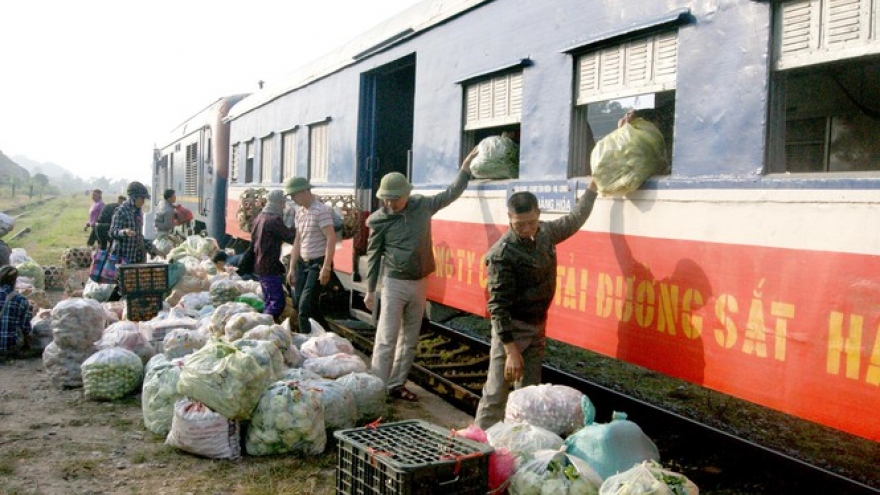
(410, 22)
(204, 116)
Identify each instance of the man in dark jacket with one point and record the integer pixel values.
(267, 236)
(127, 227)
(522, 283)
(102, 228)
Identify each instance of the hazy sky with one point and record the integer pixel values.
(91, 85)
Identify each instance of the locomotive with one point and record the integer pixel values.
(752, 267)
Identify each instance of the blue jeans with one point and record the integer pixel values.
(307, 293)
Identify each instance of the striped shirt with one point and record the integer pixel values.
(309, 222)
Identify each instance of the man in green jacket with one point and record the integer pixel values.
(522, 283)
(400, 240)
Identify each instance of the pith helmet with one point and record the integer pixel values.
(297, 184)
(393, 185)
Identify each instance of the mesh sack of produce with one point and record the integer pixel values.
(267, 355)
(224, 291)
(497, 158)
(326, 345)
(112, 374)
(78, 257)
(336, 365)
(98, 292)
(298, 375)
(54, 277)
(163, 244)
(64, 366)
(159, 394)
(276, 334)
(292, 357)
(612, 447)
(648, 478)
(41, 330)
(521, 438)
(78, 323)
(18, 256)
(127, 335)
(31, 269)
(183, 341)
(369, 395)
(76, 282)
(37, 297)
(7, 223)
(626, 157)
(551, 472)
(557, 408)
(239, 323)
(196, 300)
(223, 312)
(224, 378)
(340, 408)
(196, 429)
(288, 419)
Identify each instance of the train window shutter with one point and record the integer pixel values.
(191, 178)
(645, 65)
(288, 155)
(233, 165)
(494, 102)
(810, 32)
(266, 159)
(319, 151)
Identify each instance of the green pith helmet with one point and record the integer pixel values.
(393, 185)
(296, 185)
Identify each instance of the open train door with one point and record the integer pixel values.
(385, 134)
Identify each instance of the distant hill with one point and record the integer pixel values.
(48, 169)
(9, 168)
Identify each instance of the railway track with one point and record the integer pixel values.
(453, 365)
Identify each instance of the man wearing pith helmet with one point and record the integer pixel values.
(400, 241)
(311, 261)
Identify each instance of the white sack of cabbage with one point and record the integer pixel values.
(277, 334)
(288, 419)
(267, 355)
(336, 365)
(77, 323)
(239, 323)
(298, 375)
(369, 394)
(223, 312)
(41, 329)
(224, 378)
(626, 157)
(128, 335)
(159, 394)
(522, 438)
(196, 300)
(112, 374)
(327, 344)
(557, 408)
(612, 447)
(550, 472)
(196, 429)
(64, 366)
(182, 341)
(98, 292)
(497, 158)
(648, 478)
(224, 291)
(340, 408)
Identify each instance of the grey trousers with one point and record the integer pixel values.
(531, 340)
(397, 334)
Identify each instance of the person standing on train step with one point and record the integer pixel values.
(311, 261)
(400, 241)
(165, 221)
(94, 213)
(127, 227)
(521, 283)
(267, 236)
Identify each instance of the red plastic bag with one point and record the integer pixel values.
(182, 214)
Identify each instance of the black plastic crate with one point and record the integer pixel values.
(144, 306)
(410, 458)
(142, 278)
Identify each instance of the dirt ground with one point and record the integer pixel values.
(59, 442)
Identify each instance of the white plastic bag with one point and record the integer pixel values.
(558, 408)
(197, 429)
(648, 478)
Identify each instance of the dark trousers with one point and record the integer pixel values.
(307, 293)
(273, 295)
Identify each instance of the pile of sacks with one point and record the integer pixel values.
(549, 443)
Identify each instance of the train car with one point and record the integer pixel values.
(194, 161)
(752, 267)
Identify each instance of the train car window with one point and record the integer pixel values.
(637, 74)
(319, 151)
(288, 155)
(191, 170)
(249, 162)
(266, 159)
(233, 165)
(493, 107)
(825, 110)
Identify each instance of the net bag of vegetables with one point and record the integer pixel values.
(551, 472)
(558, 408)
(289, 418)
(626, 157)
(497, 158)
(111, 374)
(159, 395)
(648, 478)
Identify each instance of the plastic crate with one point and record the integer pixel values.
(142, 278)
(144, 306)
(409, 458)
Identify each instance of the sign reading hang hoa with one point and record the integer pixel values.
(553, 196)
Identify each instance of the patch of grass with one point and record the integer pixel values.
(139, 458)
(7, 466)
(55, 226)
(79, 468)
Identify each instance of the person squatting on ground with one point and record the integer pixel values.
(127, 227)
(400, 242)
(15, 316)
(311, 261)
(102, 228)
(267, 235)
(94, 213)
(522, 283)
